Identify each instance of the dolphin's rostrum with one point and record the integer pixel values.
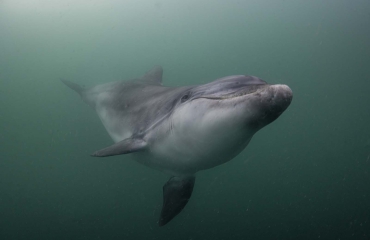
(182, 130)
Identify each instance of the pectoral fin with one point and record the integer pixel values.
(125, 146)
(176, 194)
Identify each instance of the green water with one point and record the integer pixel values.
(305, 176)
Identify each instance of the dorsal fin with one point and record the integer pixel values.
(155, 75)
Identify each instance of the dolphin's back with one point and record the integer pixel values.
(128, 108)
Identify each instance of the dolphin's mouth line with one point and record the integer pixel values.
(231, 95)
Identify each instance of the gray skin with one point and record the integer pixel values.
(182, 130)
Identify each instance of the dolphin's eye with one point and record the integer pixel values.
(185, 97)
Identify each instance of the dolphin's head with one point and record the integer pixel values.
(224, 114)
(245, 100)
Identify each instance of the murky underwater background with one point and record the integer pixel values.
(305, 176)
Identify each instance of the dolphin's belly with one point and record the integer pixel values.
(184, 159)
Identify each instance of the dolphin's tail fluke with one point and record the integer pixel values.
(73, 86)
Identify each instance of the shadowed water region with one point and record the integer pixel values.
(304, 176)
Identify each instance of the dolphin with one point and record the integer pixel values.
(183, 130)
